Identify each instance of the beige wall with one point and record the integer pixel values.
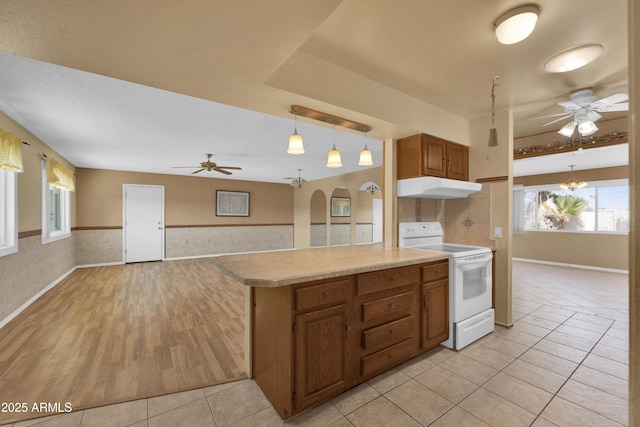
(35, 266)
(188, 200)
(610, 251)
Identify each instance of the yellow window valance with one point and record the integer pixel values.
(59, 176)
(10, 152)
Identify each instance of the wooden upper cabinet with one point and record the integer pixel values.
(458, 161)
(426, 155)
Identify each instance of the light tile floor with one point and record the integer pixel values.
(563, 363)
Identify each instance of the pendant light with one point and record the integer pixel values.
(365, 154)
(572, 183)
(295, 140)
(333, 159)
(493, 132)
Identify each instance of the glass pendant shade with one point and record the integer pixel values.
(587, 127)
(567, 130)
(493, 137)
(334, 160)
(365, 157)
(295, 144)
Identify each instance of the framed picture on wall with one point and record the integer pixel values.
(232, 203)
(340, 206)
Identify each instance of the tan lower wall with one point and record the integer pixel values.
(588, 249)
(34, 267)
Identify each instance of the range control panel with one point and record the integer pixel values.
(409, 230)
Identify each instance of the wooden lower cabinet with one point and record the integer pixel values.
(321, 356)
(435, 313)
(312, 341)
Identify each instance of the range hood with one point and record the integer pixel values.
(431, 187)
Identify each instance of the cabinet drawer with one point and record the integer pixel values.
(387, 358)
(398, 304)
(385, 279)
(435, 272)
(387, 334)
(323, 294)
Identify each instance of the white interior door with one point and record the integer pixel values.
(377, 221)
(143, 222)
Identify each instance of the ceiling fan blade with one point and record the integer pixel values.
(593, 116)
(199, 170)
(184, 167)
(558, 120)
(550, 115)
(613, 99)
(222, 171)
(623, 106)
(569, 106)
(230, 167)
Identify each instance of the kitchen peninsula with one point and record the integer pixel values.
(322, 320)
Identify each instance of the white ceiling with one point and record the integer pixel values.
(157, 78)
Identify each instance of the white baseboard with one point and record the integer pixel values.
(580, 266)
(24, 306)
(101, 264)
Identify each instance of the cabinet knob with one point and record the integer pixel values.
(326, 294)
(390, 331)
(390, 305)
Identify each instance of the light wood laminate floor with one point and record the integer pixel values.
(120, 333)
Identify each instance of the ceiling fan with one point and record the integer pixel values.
(584, 107)
(209, 166)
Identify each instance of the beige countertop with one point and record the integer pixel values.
(281, 268)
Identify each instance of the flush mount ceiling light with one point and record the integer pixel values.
(573, 58)
(295, 140)
(516, 24)
(572, 183)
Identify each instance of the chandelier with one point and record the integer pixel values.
(299, 181)
(572, 183)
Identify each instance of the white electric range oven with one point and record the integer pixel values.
(471, 315)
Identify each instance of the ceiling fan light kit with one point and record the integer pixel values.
(583, 108)
(573, 58)
(517, 24)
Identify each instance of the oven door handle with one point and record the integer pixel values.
(479, 260)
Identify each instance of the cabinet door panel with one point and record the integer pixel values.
(434, 156)
(435, 313)
(321, 355)
(457, 162)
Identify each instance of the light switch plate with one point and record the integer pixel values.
(497, 232)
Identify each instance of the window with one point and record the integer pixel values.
(55, 210)
(8, 213)
(602, 206)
